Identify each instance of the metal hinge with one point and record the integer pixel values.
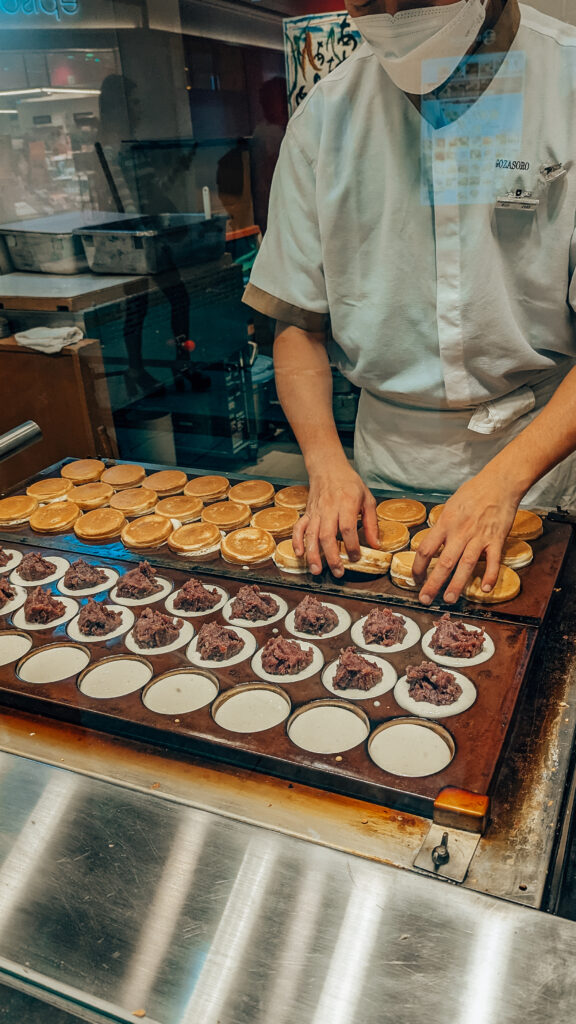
(447, 852)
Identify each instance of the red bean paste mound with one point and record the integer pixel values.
(34, 567)
(430, 683)
(217, 643)
(6, 592)
(155, 629)
(97, 619)
(452, 638)
(355, 672)
(41, 607)
(384, 627)
(250, 603)
(80, 576)
(281, 657)
(311, 616)
(195, 597)
(139, 583)
(4, 557)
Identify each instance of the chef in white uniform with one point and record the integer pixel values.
(421, 235)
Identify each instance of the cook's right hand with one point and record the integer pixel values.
(335, 501)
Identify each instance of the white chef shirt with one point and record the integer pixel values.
(389, 228)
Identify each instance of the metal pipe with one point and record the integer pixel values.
(18, 438)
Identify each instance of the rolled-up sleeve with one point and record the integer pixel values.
(287, 279)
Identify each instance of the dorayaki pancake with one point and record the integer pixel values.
(227, 515)
(17, 509)
(293, 497)
(195, 539)
(516, 554)
(208, 488)
(255, 493)
(277, 521)
(506, 589)
(401, 569)
(248, 546)
(89, 496)
(419, 537)
(393, 536)
(167, 482)
(184, 507)
(146, 532)
(402, 510)
(434, 514)
(122, 476)
(371, 561)
(56, 517)
(84, 471)
(526, 526)
(99, 524)
(52, 489)
(286, 558)
(134, 501)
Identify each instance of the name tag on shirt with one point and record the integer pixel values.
(519, 200)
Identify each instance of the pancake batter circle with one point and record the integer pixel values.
(190, 615)
(411, 749)
(485, 654)
(180, 692)
(328, 727)
(252, 707)
(14, 602)
(425, 710)
(115, 677)
(315, 666)
(389, 677)
(15, 557)
(412, 637)
(341, 626)
(136, 602)
(184, 637)
(13, 645)
(111, 578)
(61, 565)
(53, 663)
(248, 623)
(71, 609)
(127, 622)
(247, 651)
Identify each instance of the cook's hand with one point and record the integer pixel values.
(473, 525)
(336, 499)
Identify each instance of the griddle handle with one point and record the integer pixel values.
(18, 438)
(440, 854)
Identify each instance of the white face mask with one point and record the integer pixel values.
(420, 49)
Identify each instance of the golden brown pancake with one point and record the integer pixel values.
(89, 496)
(526, 526)
(277, 521)
(146, 532)
(57, 517)
(227, 515)
(121, 476)
(248, 546)
(255, 493)
(419, 537)
(506, 589)
(393, 536)
(208, 488)
(401, 569)
(17, 509)
(167, 481)
(195, 539)
(99, 524)
(371, 561)
(293, 497)
(134, 501)
(516, 554)
(184, 507)
(285, 558)
(83, 471)
(51, 489)
(402, 510)
(434, 514)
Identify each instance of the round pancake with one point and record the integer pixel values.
(55, 518)
(293, 497)
(184, 507)
(286, 558)
(401, 569)
(167, 481)
(89, 496)
(277, 521)
(526, 526)
(83, 471)
(402, 510)
(434, 514)
(227, 515)
(419, 537)
(506, 589)
(99, 524)
(121, 476)
(371, 561)
(134, 501)
(50, 489)
(516, 554)
(255, 493)
(207, 488)
(17, 509)
(195, 538)
(146, 532)
(393, 536)
(248, 545)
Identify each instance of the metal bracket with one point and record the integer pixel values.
(447, 852)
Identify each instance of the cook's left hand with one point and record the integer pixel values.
(473, 525)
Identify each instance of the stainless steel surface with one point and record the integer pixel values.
(18, 438)
(113, 903)
(460, 847)
(47, 244)
(151, 244)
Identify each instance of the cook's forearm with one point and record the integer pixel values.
(304, 385)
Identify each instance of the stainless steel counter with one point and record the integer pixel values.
(114, 903)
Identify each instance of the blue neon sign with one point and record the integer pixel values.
(59, 10)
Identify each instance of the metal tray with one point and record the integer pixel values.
(49, 245)
(151, 244)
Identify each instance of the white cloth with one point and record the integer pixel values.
(49, 339)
